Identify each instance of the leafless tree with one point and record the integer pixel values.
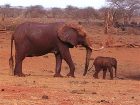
(57, 12)
(4, 11)
(35, 11)
(124, 7)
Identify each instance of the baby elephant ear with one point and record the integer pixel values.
(68, 35)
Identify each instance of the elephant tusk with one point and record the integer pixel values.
(98, 48)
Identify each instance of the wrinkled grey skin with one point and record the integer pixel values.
(105, 63)
(36, 39)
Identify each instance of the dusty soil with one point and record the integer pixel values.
(41, 88)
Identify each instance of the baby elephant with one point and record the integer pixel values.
(104, 63)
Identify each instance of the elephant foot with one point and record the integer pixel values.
(21, 74)
(95, 77)
(57, 75)
(70, 75)
(84, 74)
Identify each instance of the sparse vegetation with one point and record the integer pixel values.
(41, 88)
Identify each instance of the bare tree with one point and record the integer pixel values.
(35, 11)
(4, 10)
(57, 12)
(71, 11)
(88, 13)
(125, 7)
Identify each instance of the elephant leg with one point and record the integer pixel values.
(58, 65)
(111, 72)
(104, 72)
(18, 65)
(97, 70)
(65, 54)
(21, 52)
(69, 61)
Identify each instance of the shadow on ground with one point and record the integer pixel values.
(134, 77)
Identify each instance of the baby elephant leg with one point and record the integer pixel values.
(111, 73)
(97, 70)
(104, 72)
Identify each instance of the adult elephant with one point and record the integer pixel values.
(36, 39)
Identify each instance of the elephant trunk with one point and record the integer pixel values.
(88, 54)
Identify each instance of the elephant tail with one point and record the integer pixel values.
(11, 60)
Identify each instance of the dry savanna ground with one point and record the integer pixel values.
(41, 88)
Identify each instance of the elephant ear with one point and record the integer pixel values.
(69, 33)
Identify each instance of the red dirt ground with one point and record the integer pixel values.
(81, 90)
